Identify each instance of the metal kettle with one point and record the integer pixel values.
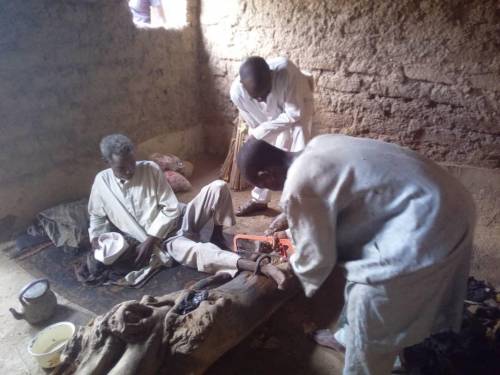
(38, 302)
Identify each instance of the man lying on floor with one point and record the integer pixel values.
(134, 197)
(400, 227)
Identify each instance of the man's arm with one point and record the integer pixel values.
(237, 97)
(144, 250)
(313, 232)
(99, 222)
(295, 109)
(164, 221)
(169, 207)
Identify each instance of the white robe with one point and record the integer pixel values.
(399, 225)
(285, 119)
(144, 205)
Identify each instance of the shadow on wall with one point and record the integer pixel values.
(74, 71)
(215, 105)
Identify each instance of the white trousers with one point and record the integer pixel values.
(296, 142)
(212, 204)
(381, 320)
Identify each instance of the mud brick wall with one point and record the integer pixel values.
(72, 71)
(424, 74)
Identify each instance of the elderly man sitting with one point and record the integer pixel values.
(135, 197)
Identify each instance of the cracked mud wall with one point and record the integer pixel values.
(423, 74)
(72, 71)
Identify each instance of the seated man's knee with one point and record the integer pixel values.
(218, 186)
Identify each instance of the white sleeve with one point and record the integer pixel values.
(169, 212)
(99, 222)
(313, 229)
(239, 101)
(293, 107)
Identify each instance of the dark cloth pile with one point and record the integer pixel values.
(191, 301)
(473, 350)
(91, 272)
(66, 224)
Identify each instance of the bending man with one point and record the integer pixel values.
(135, 198)
(399, 225)
(275, 99)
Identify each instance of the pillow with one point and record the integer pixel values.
(187, 169)
(177, 182)
(167, 162)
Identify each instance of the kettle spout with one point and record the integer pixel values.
(16, 315)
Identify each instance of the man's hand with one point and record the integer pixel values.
(280, 223)
(144, 250)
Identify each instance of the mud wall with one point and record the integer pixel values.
(72, 71)
(424, 74)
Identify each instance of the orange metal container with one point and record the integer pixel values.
(268, 239)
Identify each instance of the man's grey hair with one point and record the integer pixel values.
(115, 144)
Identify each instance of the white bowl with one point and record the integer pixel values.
(47, 346)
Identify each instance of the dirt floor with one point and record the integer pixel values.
(15, 335)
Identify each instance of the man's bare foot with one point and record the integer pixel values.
(325, 337)
(280, 223)
(276, 274)
(250, 207)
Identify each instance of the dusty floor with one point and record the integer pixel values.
(278, 345)
(15, 335)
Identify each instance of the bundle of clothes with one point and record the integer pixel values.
(64, 226)
(176, 171)
(473, 350)
(113, 263)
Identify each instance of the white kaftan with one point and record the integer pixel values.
(285, 118)
(399, 225)
(146, 205)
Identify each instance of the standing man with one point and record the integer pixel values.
(400, 227)
(276, 101)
